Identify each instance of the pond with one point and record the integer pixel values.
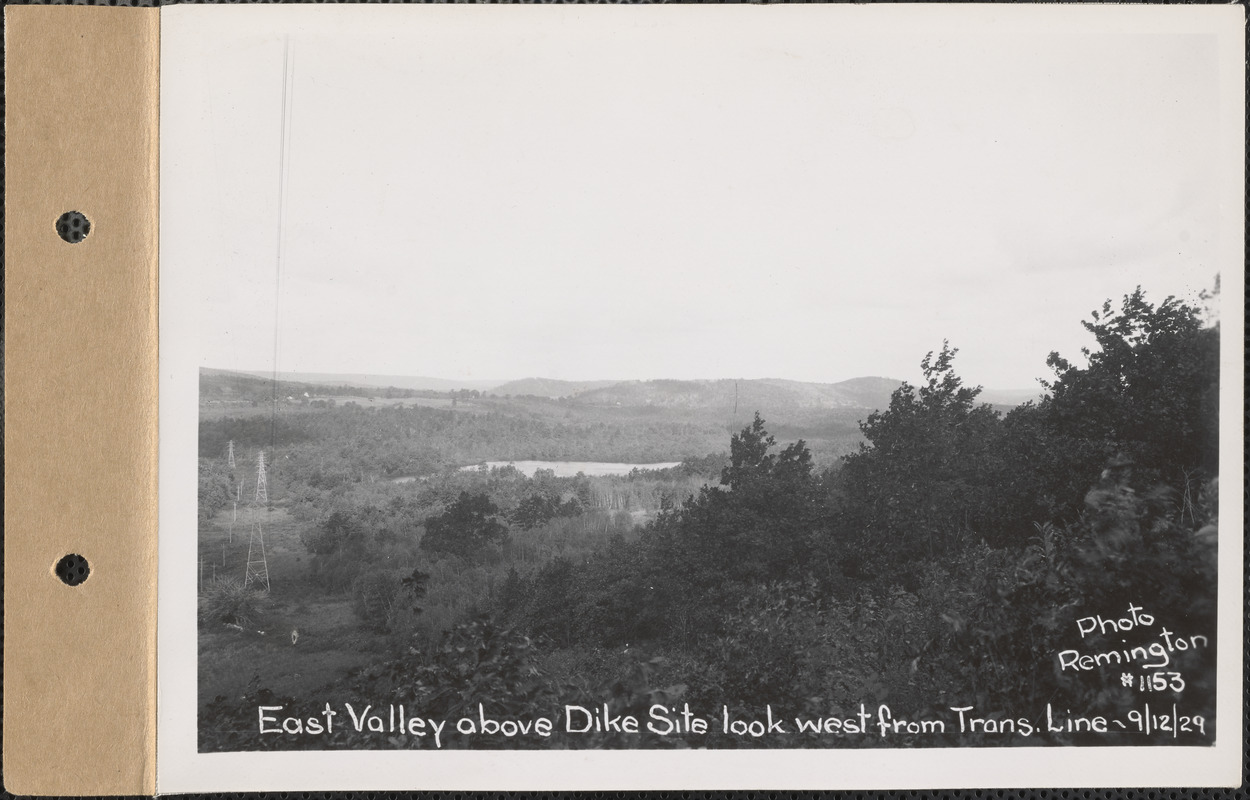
(567, 469)
(562, 469)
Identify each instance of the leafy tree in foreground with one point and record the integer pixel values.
(1148, 394)
(764, 522)
(920, 481)
(1150, 384)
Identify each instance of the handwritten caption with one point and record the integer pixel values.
(1142, 666)
(665, 720)
(1153, 655)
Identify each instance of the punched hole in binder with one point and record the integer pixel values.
(73, 226)
(73, 569)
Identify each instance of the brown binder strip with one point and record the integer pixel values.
(80, 399)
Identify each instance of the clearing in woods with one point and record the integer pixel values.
(331, 639)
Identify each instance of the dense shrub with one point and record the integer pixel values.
(216, 488)
(224, 601)
(922, 483)
(477, 669)
(384, 599)
(1127, 550)
(467, 528)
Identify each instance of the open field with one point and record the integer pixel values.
(331, 640)
(220, 409)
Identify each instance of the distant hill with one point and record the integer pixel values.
(548, 387)
(768, 395)
(381, 381)
(870, 392)
(722, 395)
(1009, 397)
(233, 386)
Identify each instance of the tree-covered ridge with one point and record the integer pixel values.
(352, 444)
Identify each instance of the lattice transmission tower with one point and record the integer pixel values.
(234, 513)
(262, 486)
(257, 563)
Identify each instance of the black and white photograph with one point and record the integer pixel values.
(769, 378)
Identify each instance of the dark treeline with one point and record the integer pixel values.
(236, 386)
(945, 562)
(354, 444)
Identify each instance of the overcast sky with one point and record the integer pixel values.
(503, 192)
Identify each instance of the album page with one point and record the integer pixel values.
(754, 396)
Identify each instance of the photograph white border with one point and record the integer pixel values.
(181, 768)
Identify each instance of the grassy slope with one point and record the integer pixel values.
(331, 638)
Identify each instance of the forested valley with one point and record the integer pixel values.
(932, 554)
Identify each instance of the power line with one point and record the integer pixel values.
(257, 561)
